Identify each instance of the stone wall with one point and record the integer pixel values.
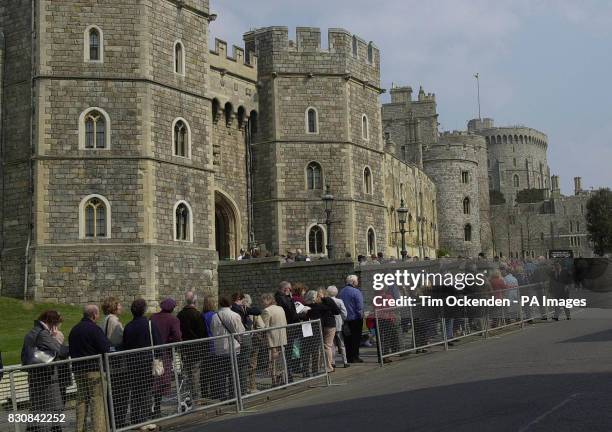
(258, 276)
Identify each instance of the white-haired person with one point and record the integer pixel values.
(274, 316)
(332, 291)
(324, 308)
(353, 300)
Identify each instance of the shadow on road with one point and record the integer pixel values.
(602, 336)
(531, 403)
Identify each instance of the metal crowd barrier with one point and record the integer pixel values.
(62, 395)
(405, 329)
(118, 391)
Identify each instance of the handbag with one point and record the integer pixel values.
(38, 356)
(157, 366)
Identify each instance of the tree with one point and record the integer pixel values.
(599, 220)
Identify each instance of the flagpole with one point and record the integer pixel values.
(478, 90)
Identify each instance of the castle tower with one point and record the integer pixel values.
(110, 189)
(319, 124)
(413, 124)
(517, 157)
(454, 165)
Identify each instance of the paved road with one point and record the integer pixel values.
(552, 376)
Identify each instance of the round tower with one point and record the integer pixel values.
(517, 157)
(454, 164)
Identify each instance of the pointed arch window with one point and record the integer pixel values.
(94, 217)
(179, 58)
(94, 129)
(367, 180)
(515, 180)
(314, 176)
(365, 131)
(315, 240)
(466, 206)
(183, 222)
(181, 138)
(312, 121)
(467, 233)
(371, 241)
(93, 44)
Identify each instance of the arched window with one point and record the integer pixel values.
(367, 180)
(240, 115)
(183, 222)
(315, 240)
(371, 241)
(354, 46)
(370, 53)
(510, 139)
(571, 226)
(253, 122)
(514, 162)
(94, 129)
(521, 138)
(499, 139)
(515, 180)
(466, 206)
(216, 109)
(365, 132)
(314, 176)
(179, 58)
(229, 114)
(94, 217)
(505, 139)
(181, 138)
(93, 42)
(312, 121)
(467, 233)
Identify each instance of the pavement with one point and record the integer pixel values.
(549, 376)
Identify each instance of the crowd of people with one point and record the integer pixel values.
(141, 377)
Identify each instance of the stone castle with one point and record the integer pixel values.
(134, 157)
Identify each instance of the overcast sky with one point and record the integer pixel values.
(546, 64)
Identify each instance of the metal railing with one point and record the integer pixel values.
(405, 329)
(66, 394)
(119, 391)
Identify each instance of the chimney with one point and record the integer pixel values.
(577, 185)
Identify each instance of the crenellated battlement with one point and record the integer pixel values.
(345, 52)
(403, 95)
(237, 63)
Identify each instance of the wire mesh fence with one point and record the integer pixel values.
(124, 390)
(404, 329)
(61, 395)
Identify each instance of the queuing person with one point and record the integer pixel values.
(254, 321)
(42, 345)
(224, 323)
(119, 374)
(169, 328)
(140, 333)
(560, 280)
(353, 300)
(207, 353)
(340, 318)
(246, 341)
(284, 300)
(87, 339)
(274, 316)
(297, 292)
(192, 328)
(324, 308)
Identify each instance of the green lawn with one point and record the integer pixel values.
(17, 318)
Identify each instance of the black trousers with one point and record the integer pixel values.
(353, 341)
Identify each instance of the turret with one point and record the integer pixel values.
(577, 185)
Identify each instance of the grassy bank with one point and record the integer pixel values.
(17, 318)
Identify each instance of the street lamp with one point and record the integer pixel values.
(328, 201)
(402, 212)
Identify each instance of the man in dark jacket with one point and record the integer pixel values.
(284, 300)
(192, 328)
(140, 333)
(87, 339)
